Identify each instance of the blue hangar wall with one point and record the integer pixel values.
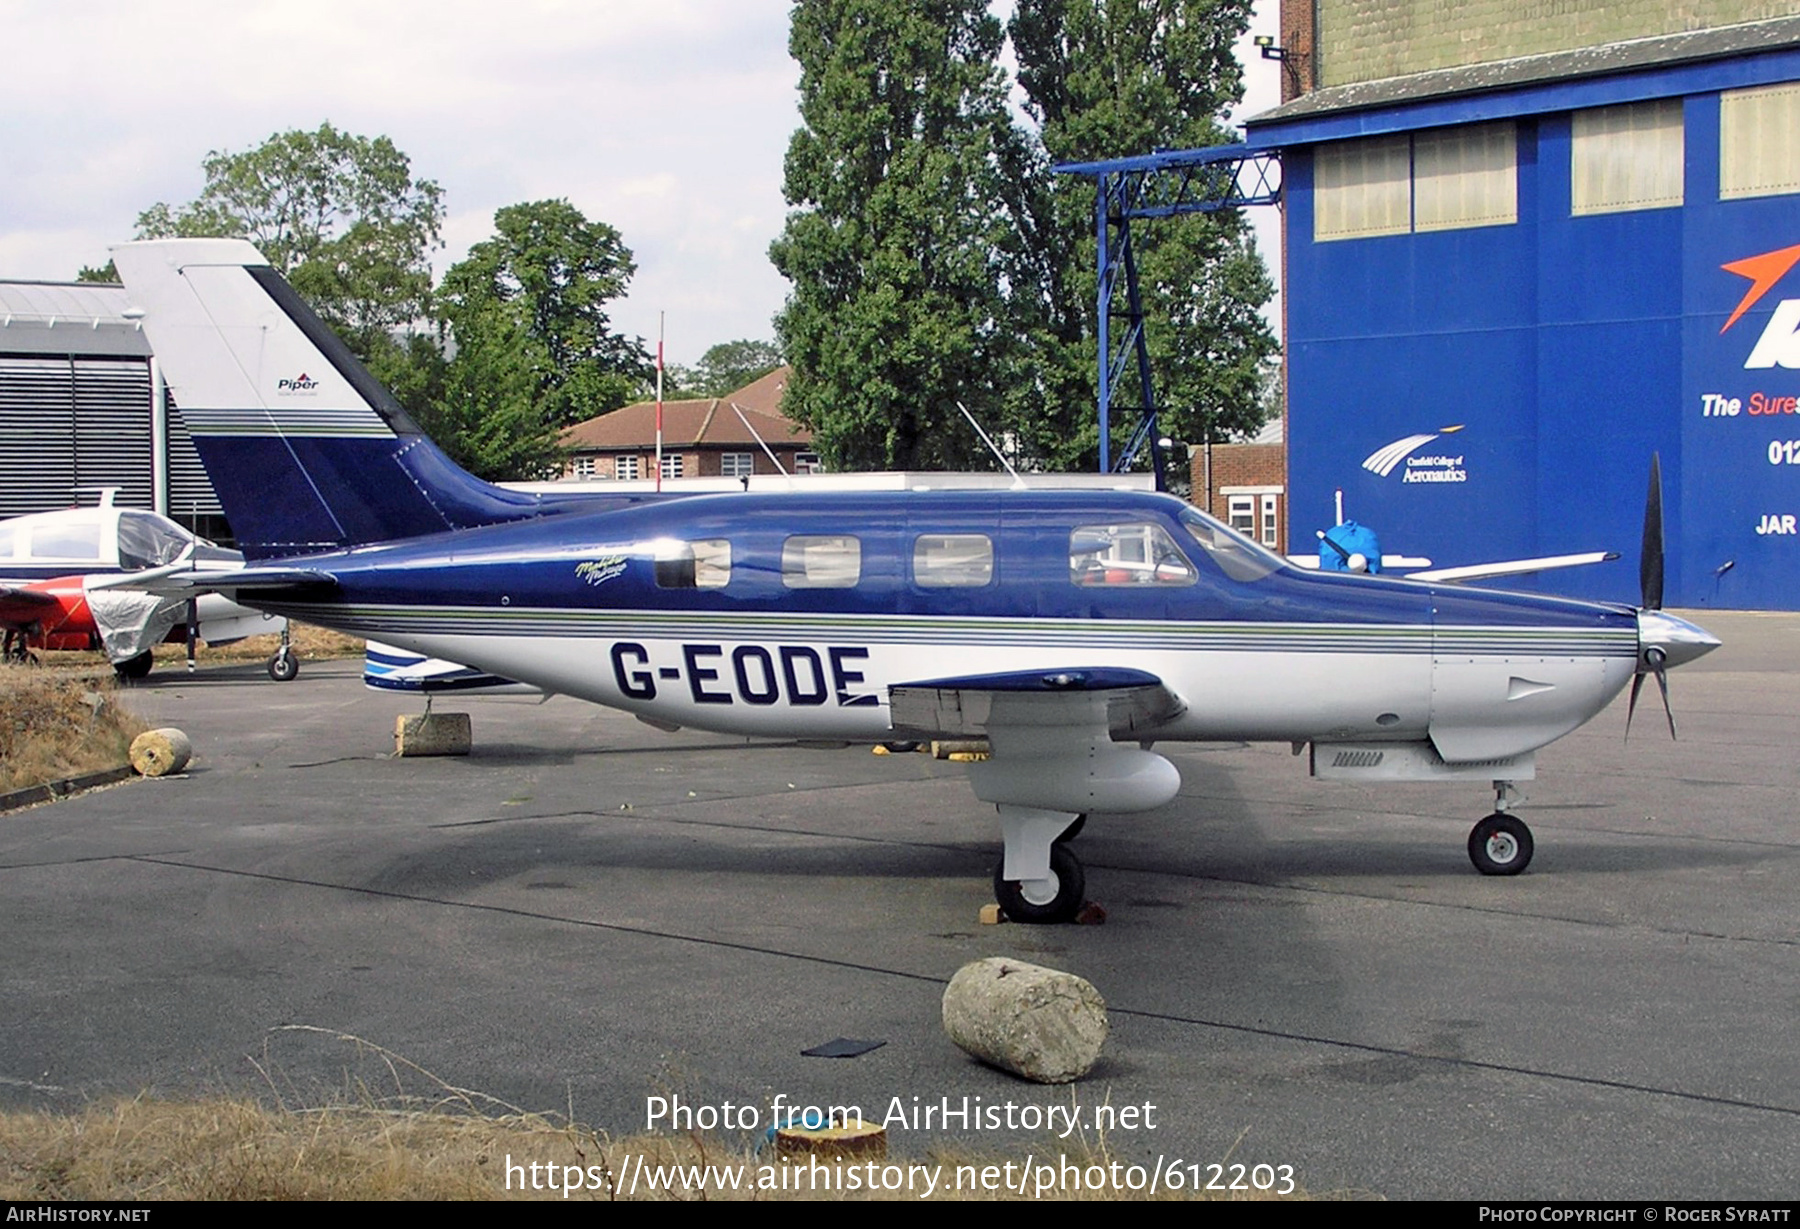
(1496, 391)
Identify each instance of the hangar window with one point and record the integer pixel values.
(1465, 177)
(625, 469)
(737, 464)
(1628, 157)
(821, 562)
(1757, 152)
(953, 560)
(1363, 188)
(1440, 179)
(1133, 554)
(702, 564)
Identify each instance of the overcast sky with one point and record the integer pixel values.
(666, 118)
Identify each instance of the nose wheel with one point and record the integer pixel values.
(1500, 845)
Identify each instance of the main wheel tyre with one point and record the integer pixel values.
(134, 667)
(1056, 899)
(1074, 829)
(284, 667)
(1500, 845)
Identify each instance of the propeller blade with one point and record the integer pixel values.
(1637, 683)
(1662, 681)
(1650, 560)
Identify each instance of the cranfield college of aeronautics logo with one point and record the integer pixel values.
(1431, 467)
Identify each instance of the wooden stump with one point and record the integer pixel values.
(157, 753)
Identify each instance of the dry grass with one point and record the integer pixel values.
(454, 1144)
(312, 643)
(54, 726)
(238, 1150)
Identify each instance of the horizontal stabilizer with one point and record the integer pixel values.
(237, 579)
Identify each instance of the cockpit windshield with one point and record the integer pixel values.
(1237, 556)
(147, 540)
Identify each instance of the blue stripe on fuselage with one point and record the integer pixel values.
(602, 561)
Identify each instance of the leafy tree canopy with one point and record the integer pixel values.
(730, 365)
(340, 215)
(905, 245)
(1107, 78)
(542, 284)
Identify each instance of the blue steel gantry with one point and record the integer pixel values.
(1160, 185)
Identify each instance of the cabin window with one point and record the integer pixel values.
(66, 541)
(9, 542)
(1127, 554)
(953, 560)
(701, 564)
(821, 561)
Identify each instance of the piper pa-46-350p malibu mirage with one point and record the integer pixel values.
(1073, 630)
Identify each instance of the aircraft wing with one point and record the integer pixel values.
(1129, 702)
(21, 607)
(1511, 567)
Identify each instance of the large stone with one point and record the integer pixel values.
(433, 734)
(1042, 1024)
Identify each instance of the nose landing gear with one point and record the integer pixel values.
(1501, 844)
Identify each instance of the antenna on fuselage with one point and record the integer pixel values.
(1018, 482)
(757, 436)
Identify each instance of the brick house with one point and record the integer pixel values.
(702, 438)
(1244, 484)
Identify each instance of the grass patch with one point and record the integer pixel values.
(310, 642)
(239, 1150)
(457, 1144)
(55, 726)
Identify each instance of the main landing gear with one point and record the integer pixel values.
(1501, 844)
(1039, 880)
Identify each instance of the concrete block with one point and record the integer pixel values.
(432, 734)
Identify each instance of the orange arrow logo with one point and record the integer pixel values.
(1763, 271)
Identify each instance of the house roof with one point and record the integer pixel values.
(699, 423)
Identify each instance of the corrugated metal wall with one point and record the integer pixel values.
(71, 424)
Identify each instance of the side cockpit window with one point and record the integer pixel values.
(953, 560)
(1237, 556)
(701, 564)
(1131, 553)
(821, 561)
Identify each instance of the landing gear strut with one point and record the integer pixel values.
(1501, 844)
(284, 667)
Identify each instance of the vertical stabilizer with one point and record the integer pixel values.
(307, 451)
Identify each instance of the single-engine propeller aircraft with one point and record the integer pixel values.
(72, 579)
(1074, 630)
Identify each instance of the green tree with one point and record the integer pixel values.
(909, 267)
(542, 284)
(340, 215)
(1108, 78)
(730, 365)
